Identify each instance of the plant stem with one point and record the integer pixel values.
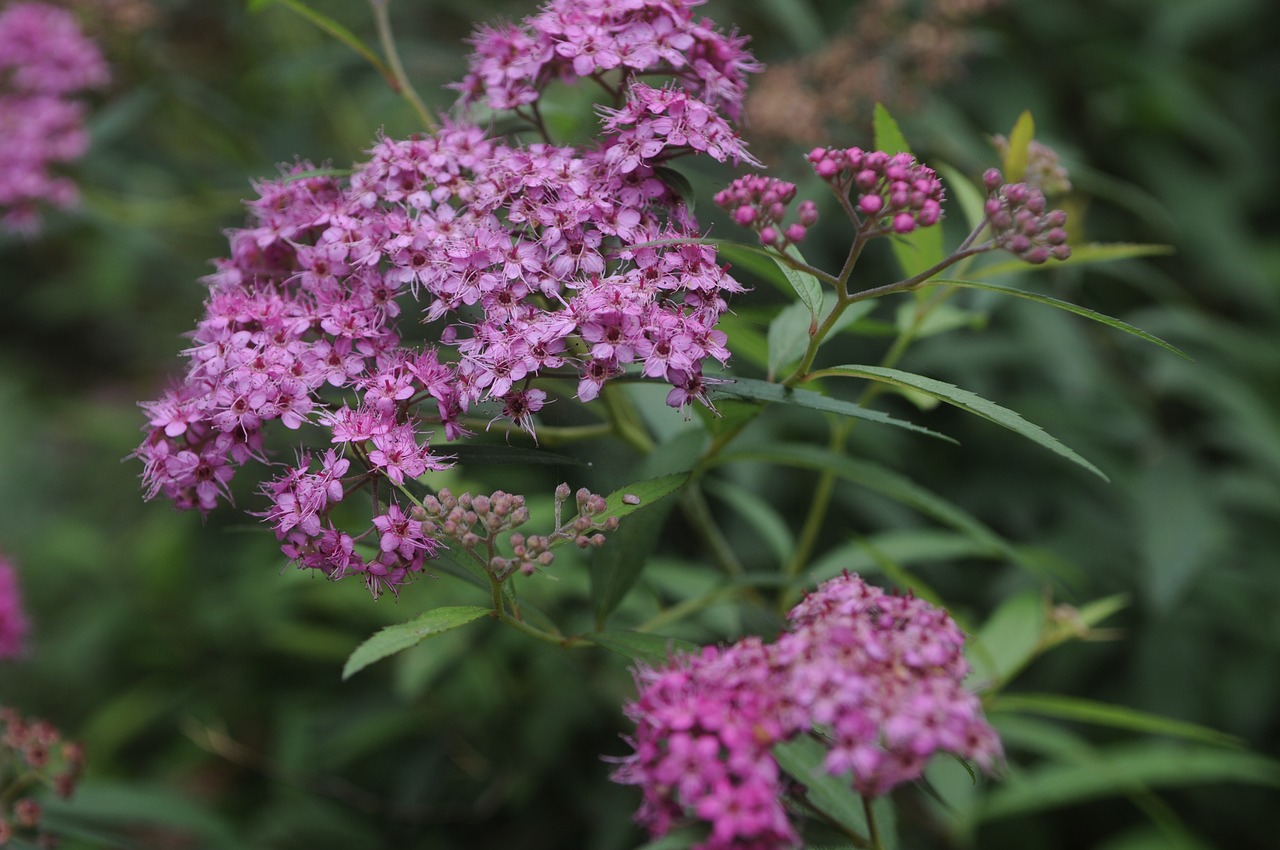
(625, 420)
(383, 22)
(871, 824)
(699, 513)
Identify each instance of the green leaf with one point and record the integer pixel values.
(401, 636)
(765, 391)
(1061, 305)
(1018, 152)
(1081, 255)
(1126, 769)
(808, 287)
(789, 335)
(1103, 714)
(888, 135)
(802, 758)
(653, 650)
(940, 319)
(330, 26)
(762, 518)
(1007, 642)
(903, 546)
(745, 340)
(921, 248)
(679, 839)
(757, 260)
(678, 183)
(881, 480)
(965, 193)
(497, 453)
(964, 400)
(617, 566)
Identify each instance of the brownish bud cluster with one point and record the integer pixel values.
(33, 755)
(475, 523)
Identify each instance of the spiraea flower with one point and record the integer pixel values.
(45, 62)
(760, 203)
(530, 263)
(13, 621)
(876, 677)
(891, 193)
(1021, 222)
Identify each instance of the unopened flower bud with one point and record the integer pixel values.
(562, 492)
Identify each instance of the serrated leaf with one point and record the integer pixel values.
(808, 287)
(765, 391)
(1062, 305)
(1104, 714)
(789, 335)
(880, 480)
(1017, 154)
(653, 650)
(1081, 255)
(1126, 769)
(401, 636)
(965, 400)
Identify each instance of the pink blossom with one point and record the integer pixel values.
(13, 622)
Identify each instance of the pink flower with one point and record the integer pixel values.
(13, 622)
(44, 62)
(877, 677)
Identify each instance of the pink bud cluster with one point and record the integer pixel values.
(32, 752)
(45, 61)
(533, 262)
(1020, 221)
(891, 193)
(877, 677)
(568, 40)
(13, 622)
(760, 203)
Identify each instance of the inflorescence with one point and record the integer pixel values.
(876, 677)
(32, 755)
(45, 62)
(534, 262)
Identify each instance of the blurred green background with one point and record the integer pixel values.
(204, 677)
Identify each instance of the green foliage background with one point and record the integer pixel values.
(204, 677)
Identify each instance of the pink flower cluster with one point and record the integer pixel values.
(13, 622)
(608, 41)
(876, 676)
(894, 192)
(534, 263)
(44, 61)
(760, 203)
(1021, 223)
